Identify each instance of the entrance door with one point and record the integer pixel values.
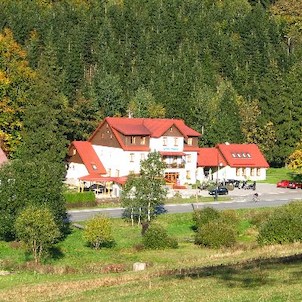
(171, 177)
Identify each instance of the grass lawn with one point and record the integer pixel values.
(245, 272)
(273, 175)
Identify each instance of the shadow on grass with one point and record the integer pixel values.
(249, 274)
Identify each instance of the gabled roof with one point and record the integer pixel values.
(89, 157)
(210, 157)
(243, 155)
(153, 127)
(233, 155)
(3, 157)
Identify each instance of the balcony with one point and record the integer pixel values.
(175, 166)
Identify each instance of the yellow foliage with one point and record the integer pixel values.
(295, 160)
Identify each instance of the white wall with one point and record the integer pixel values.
(74, 172)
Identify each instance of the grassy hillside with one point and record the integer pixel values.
(245, 272)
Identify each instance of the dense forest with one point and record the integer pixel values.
(230, 69)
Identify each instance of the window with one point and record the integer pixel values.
(175, 141)
(189, 158)
(109, 172)
(102, 135)
(74, 152)
(143, 140)
(188, 174)
(238, 171)
(258, 171)
(253, 171)
(132, 157)
(248, 155)
(171, 129)
(190, 141)
(94, 167)
(165, 141)
(234, 155)
(244, 171)
(132, 140)
(142, 156)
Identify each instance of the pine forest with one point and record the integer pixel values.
(231, 69)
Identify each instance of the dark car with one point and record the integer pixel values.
(219, 191)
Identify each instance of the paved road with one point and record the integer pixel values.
(269, 197)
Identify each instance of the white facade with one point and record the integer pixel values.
(74, 172)
(224, 173)
(118, 162)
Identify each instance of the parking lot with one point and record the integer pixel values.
(261, 188)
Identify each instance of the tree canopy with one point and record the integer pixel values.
(177, 59)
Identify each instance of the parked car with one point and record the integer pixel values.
(294, 185)
(283, 183)
(219, 191)
(96, 188)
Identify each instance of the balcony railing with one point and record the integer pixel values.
(175, 166)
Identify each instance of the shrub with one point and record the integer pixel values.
(256, 218)
(283, 226)
(203, 216)
(156, 237)
(230, 217)
(98, 232)
(216, 234)
(36, 227)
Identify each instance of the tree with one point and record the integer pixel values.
(36, 228)
(143, 105)
(15, 80)
(145, 192)
(295, 161)
(36, 174)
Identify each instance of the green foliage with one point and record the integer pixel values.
(283, 226)
(98, 232)
(203, 216)
(216, 234)
(159, 59)
(215, 229)
(35, 226)
(74, 197)
(257, 218)
(145, 192)
(156, 238)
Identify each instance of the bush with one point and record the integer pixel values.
(157, 238)
(283, 226)
(98, 232)
(216, 234)
(230, 217)
(203, 216)
(256, 218)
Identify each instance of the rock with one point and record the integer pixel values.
(139, 266)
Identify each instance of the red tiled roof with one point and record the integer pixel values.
(3, 157)
(154, 127)
(89, 157)
(97, 178)
(233, 155)
(210, 157)
(243, 155)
